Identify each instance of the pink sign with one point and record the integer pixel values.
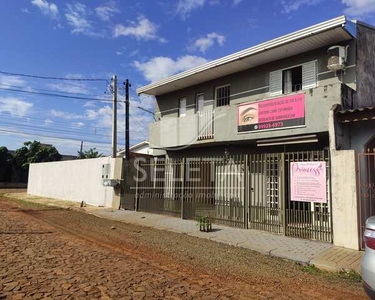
(308, 181)
(280, 112)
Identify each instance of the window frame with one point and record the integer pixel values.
(179, 107)
(196, 101)
(282, 79)
(316, 61)
(220, 87)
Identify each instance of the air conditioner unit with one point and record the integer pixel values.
(338, 58)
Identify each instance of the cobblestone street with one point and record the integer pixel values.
(46, 254)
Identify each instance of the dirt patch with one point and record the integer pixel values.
(116, 260)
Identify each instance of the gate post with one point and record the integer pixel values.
(282, 192)
(182, 187)
(246, 193)
(136, 188)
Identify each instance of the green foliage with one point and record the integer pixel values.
(91, 153)
(204, 223)
(6, 165)
(33, 152)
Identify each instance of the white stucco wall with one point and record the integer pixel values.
(75, 180)
(344, 199)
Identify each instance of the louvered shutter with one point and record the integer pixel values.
(309, 75)
(276, 83)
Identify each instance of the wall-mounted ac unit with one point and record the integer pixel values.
(337, 60)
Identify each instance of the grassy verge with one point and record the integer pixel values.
(350, 275)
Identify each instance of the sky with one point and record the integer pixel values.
(143, 41)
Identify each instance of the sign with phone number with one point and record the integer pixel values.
(288, 111)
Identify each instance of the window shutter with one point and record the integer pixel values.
(309, 75)
(276, 83)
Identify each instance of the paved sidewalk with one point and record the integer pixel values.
(322, 255)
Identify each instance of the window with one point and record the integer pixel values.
(222, 95)
(292, 80)
(297, 78)
(199, 102)
(182, 107)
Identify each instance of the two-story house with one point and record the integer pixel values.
(272, 102)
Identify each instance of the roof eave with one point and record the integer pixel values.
(292, 37)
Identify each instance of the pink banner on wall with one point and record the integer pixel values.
(287, 111)
(308, 181)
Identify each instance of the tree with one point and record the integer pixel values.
(33, 152)
(6, 165)
(91, 153)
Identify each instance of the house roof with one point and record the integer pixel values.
(355, 115)
(320, 35)
(134, 147)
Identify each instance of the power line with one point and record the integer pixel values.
(51, 137)
(52, 130)
(53, 78)
(44, 90)
(67, 123)
(56, 95)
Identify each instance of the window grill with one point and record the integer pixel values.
(222, 95)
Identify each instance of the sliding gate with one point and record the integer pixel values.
(247, 191)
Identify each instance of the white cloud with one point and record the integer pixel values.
(77, 17)
(119, 53)
(294, 5)
(185, 7)
(236, 2)
(71, 87)
(15, 106)
(49, 9)
(359, 8)
(144, 29)
(78, 124)
(162, 67)
(48, 121)
(25, 10)
(7, 81)
(204, 43)
(65, 115)
(106, 11)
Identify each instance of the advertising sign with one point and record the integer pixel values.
(308, 181)
(288, 111)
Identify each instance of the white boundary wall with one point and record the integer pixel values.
(75, 180)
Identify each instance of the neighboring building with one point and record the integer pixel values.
(273, 103)
(142, 148)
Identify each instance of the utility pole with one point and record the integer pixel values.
(114, 117)
(127, 138)
(81, 147)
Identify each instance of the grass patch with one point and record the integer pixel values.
(311, 269)
(24, 203)
(350, 275)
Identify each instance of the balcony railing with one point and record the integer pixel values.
(206, 124)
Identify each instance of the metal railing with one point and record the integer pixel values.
(206, 124)
(246, 191)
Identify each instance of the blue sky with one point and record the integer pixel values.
(140, 40)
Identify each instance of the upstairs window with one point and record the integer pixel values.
(199, 98)
(182, 107)
(292, 80)
(222, 95)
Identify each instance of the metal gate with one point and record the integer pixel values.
(270, 205)
(247, 191)
(128, 185)
(366, 191)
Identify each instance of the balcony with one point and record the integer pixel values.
(172, 132)
(206, 124)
